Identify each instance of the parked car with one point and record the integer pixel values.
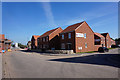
(103, 49)
(114, 46)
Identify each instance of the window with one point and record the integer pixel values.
(85, 45)
(43, 39)
(46, 38)
(69, 35)
(84, 35)
(62, 36)
(40, 46)
(38, 40)
(62, 46)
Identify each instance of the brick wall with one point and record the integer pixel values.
(67, 40)
(108, 41)
(81, 41)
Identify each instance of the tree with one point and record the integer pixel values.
(21, 45)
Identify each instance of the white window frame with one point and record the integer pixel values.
(69, 35)
(62, 45)
(62, 36)
(85, 45)
(85, 35)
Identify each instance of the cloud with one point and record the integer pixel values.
(93, 14)
(48, 13)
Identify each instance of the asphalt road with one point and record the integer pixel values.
(0, 66)
(20, 64)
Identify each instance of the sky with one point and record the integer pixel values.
(21, 20)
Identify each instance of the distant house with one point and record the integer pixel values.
(34, 43)
(77, 37)
(107, 40)
(5, 44)
(50, 39)
(99, 41)
(113, 42)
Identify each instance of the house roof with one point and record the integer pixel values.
(36, 36)
(112, 39)
(48, 32)
(72, 27)
(99, 35)
(2, 36)
(8, 41)
(104, 34)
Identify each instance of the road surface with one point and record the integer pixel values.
(0, 66)
(20, 64)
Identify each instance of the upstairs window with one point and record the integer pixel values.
(43, 39)
(46, 38)
(84, 35)
(69, 35)
(38, 40)
(62, 36)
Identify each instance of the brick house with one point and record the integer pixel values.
(113, 42)
(78, 37)
(99, 41)
(107, 40)
(50, 39)
(5, 44)
(34, 44)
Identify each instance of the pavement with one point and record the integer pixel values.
(21, 64)
(0, 66)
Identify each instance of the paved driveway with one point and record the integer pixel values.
(20, 64)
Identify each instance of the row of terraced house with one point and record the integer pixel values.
(5, 43)
(78, 37)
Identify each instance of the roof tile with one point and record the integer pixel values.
(72, 27)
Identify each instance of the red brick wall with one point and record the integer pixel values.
(34, 43)
(66, 40)
(2, 46)
(102, 41)
(113, 42)
(80, 41)
(53, 40)
(108, 41)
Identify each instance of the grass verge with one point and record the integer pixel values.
(87, 52)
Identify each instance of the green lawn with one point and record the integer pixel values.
(111, 48)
